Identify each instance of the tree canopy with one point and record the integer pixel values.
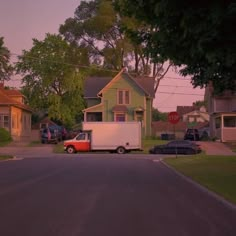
(199, 36)
(6, 69)
(96, 28)
(157, 115)
(103, 32)
(51, 78)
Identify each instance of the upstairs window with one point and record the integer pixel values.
(123, 97)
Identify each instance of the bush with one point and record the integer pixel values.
(5, 135)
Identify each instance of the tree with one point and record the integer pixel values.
(157, 115)
(96, 28)
(107, 36)
(51, 78)
(199, 36)
(6, 69)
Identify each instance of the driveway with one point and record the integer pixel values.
(216, 148)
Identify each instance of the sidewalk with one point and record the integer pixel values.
(23, 149)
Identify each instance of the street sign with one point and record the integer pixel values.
(173, 117)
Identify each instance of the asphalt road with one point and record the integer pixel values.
(105, 196)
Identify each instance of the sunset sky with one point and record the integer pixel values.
(22, 20)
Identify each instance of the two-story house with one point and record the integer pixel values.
(15, 116)
(222, 111)
(122, 98)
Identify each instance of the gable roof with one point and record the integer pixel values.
(182, 110)
(45, 120)
(96, 85)
(147, 84)
(93, 85)
(6, 99)
(13, 93)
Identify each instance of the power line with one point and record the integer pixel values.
(87, 66)
(168, 77)
(177, 86)
(192, 94)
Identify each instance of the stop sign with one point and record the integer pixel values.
(173, 117)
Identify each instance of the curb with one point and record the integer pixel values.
(202, 188)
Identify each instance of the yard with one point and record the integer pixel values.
(5, 157)
(217, 173)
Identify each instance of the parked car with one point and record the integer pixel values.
(61, 130)
(50, 135)
(176, 147)
(192, 134)
(204, 133)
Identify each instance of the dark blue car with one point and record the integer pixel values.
(177, 147)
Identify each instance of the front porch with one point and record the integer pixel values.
(223, 127)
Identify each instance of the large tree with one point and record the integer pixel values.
(51, 77)
(96, 28)
(5, 67)
(107, 35)
(199, 35)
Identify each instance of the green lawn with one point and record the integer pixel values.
(149, 143)
(3, 144)
(217, 173)
(5, 157)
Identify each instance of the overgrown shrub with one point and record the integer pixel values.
(5, 135)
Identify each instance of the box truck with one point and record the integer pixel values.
(120, 137)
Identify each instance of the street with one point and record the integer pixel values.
(102, 195)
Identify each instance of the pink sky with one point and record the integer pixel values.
(22, 20)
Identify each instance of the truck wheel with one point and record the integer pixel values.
(121, 150)
(70, 150)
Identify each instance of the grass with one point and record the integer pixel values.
(149, 143)
(5, 157)
(3, 144)
(217, 173)
(59, 148)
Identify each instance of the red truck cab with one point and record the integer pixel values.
(81, 143)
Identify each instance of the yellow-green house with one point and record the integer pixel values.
(122, 98)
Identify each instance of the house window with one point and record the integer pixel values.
(123, 97)
(120, 117)
(4, 121)
(229, 121)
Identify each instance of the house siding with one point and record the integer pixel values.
(20, 124)
(148, 117)
(19, 114)
(110, 98)
(4, 110)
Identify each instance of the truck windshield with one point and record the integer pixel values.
(81, 136)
